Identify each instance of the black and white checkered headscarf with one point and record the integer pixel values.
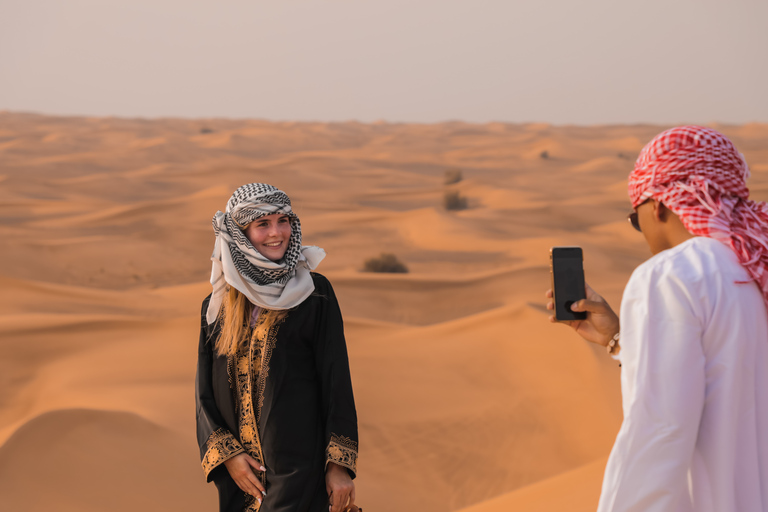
(273, 285)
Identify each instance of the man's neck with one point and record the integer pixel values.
(675, 232)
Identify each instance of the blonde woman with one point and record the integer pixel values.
(276, 420)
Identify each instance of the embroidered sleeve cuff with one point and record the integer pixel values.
(220, 446)
(342, 451)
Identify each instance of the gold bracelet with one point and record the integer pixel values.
(613, 343)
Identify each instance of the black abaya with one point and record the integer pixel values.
(286, 400)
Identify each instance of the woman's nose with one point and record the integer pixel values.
(274, 229)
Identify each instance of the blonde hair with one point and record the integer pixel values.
(235, 321)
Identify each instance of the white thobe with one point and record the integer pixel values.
(694, 383)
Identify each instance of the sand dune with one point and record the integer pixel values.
(398, 299)
(82, 460)
(577, 490)
(467, 410)
(467, 396)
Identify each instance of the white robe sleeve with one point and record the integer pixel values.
(663, 386)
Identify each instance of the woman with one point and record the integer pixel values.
(276, 420)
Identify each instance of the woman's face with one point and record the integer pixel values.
(270, 235)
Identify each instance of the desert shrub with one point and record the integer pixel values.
(453, 200)
(385, 263)
(205, 129)
(453, 176)
(544, 154)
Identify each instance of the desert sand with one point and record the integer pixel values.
(468, 398)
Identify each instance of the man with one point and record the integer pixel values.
(694, 335)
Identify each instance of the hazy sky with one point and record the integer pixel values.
(559, 61)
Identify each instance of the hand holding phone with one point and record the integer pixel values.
(595, 321)
(567, 271)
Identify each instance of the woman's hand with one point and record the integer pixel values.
(340, 488)
(242, 468)
(601, 323)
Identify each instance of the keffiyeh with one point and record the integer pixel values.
(273, 285)
(699, 175)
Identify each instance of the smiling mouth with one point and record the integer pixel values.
(273, 244)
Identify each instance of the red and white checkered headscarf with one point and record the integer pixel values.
(698, 174)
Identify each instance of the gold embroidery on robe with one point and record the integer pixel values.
(220, 446)
(251, 368)
(342, 451)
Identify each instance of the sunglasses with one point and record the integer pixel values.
(632, 217)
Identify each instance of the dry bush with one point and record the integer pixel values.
(453, 200)
(385, 263)
(544, 154)
(453, 176)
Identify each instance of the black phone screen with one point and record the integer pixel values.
(567, 281)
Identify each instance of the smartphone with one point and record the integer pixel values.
(566, 266)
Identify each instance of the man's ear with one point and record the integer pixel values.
(660, 212)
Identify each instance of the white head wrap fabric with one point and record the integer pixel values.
(268, 284)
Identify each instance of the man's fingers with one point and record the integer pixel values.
(590, 306)
(570, 323)
(549, 293)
